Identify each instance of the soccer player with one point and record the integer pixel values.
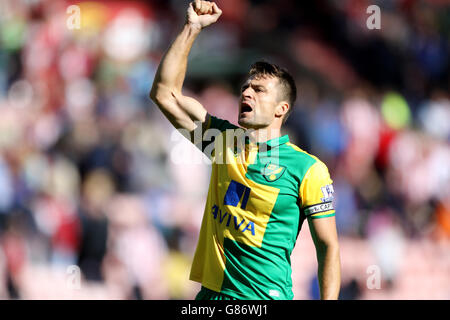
(259, 194)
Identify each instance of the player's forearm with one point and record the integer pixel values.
(329, 272)
(172, 69)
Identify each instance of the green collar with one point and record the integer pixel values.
(275, 142)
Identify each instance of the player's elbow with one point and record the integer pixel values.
(159, 95)
(152, 94)
(155, 94)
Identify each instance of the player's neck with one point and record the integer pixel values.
(264, 134)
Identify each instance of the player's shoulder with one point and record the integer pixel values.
(213, 122)
(297, 153)
(304, 159)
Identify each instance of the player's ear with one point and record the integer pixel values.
(281, 109)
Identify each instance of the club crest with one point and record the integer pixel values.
(273, 172)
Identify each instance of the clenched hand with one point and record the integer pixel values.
(201, 14)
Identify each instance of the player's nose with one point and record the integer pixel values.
(247, 93)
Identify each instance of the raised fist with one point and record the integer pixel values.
(201, 14)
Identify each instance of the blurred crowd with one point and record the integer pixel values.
(89, 168)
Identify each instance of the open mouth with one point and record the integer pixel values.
(245, 107)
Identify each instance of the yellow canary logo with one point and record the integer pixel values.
(273, 172)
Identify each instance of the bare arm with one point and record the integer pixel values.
(324, 234)
(180, 110)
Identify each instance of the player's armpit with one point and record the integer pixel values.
(212, 127)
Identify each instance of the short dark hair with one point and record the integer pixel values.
(289, 92)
